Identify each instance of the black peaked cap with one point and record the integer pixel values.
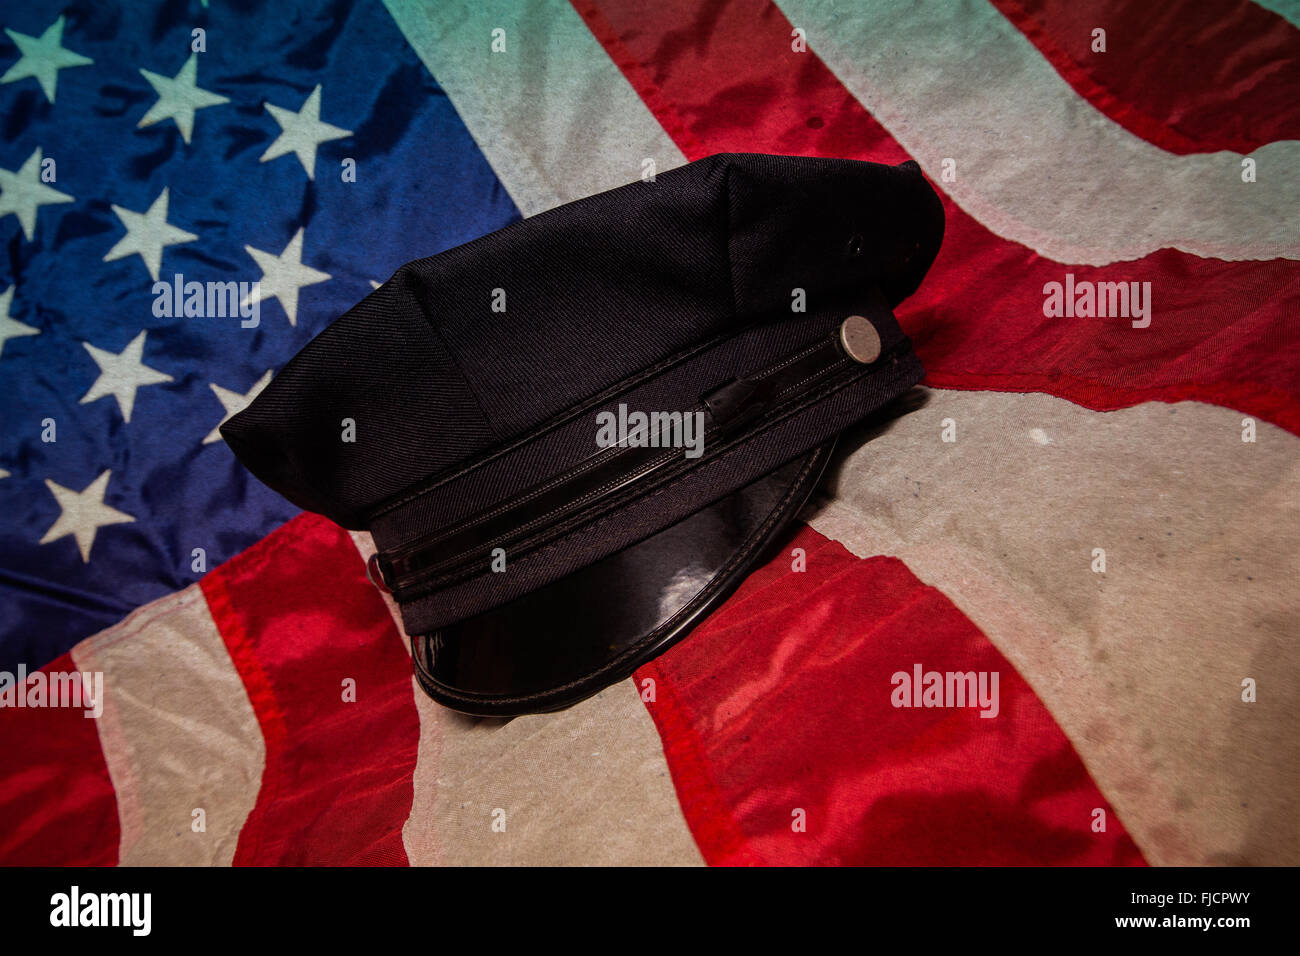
(474, 376)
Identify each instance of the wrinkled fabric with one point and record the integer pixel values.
(1222, 331)
(580, 107)
(780, 725)
(409, 200)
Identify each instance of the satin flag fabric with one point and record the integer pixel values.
(258, 704)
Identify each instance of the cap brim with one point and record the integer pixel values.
(564, 642)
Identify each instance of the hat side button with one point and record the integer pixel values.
(860, 340)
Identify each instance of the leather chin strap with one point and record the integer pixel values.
(611, 475)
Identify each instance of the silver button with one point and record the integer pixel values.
(860, 339)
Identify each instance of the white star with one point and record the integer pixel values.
(179, 97)
(11, 328)
(147, 233)
(43, 57)
(283, 276)
(121, 373)
(301, 132)
(82, 513)
(22, 191)
(234, 403)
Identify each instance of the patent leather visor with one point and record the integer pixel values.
(562, 643)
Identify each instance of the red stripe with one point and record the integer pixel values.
(57, 803)
(781, 701)
(1222, 332)
(298, 617)
(1190, 77)
(688, 752)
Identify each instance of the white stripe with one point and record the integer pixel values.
(530, 767)
(554, 116)
(586, 786)
(1035, 162)
(1142, 665)
(178, 733)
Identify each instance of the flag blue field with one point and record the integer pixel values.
(222, 166)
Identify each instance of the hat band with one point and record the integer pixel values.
(612, 474)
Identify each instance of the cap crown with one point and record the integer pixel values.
(586, 296)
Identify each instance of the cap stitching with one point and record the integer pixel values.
(574, 523)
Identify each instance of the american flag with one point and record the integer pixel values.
(1104, 513)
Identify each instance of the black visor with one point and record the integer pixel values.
(564, 642)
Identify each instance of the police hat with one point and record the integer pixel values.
(574, 436)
